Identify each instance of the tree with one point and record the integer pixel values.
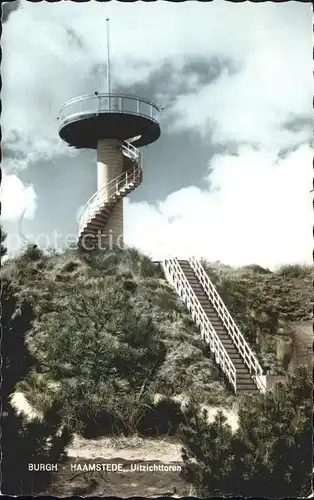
(23, 442)
(271, 453)
(3, 236)
(211, 446)
(276, 438)
(96, 347)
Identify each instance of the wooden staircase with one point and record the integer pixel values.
(218, 329)
(96, 212)
(244, 381)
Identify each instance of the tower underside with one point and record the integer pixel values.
(84, 131)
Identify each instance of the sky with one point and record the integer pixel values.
(230, 177)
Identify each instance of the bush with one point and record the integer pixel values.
(270, 453)
(3, 249)
(255, 268)
(162, 418)
(98, 340)
(24, 442)
(293, 271)
(32, 254)
(70, 266)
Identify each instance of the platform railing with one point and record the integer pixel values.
(107, 192)
(108, 103)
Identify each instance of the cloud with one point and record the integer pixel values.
(255, 204)
(267, 44)
(252, 104)
(257, 210)
(7, 8)
(16, 198)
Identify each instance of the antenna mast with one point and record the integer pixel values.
(108, 57)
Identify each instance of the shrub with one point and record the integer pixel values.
(255, 268)
(96, 340)
(293, 271)
(32, 254)
(24, 442)
(3, 249)
(162, 418)
(270, 453)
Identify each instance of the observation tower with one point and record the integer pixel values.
(116, 126)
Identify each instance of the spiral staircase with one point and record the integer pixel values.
(96, 212)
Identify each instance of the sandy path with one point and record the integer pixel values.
(137, 448)
(132, 448)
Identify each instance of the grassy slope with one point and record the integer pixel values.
(260, 301)
(263, 303)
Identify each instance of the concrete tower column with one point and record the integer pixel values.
(109, 166)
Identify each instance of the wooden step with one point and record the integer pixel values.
(249, 390)
(230, 347)
(237, 363)
(228, 344)
(223, 335)
(246, 384)
(244, 377)
(214, 319)
(94, 230)
(243, 371)
(232, 351)
(234, 356)
(103, 211)
(213, 314)
(246, 388)
(192, 281)
(98, 222)
(102, 216)
(225, 338)
(204, 300)
(216, 322)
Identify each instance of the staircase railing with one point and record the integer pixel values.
(107, 192)
(177, 278)
(230, 325)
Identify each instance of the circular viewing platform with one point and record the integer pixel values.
(87, 118)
